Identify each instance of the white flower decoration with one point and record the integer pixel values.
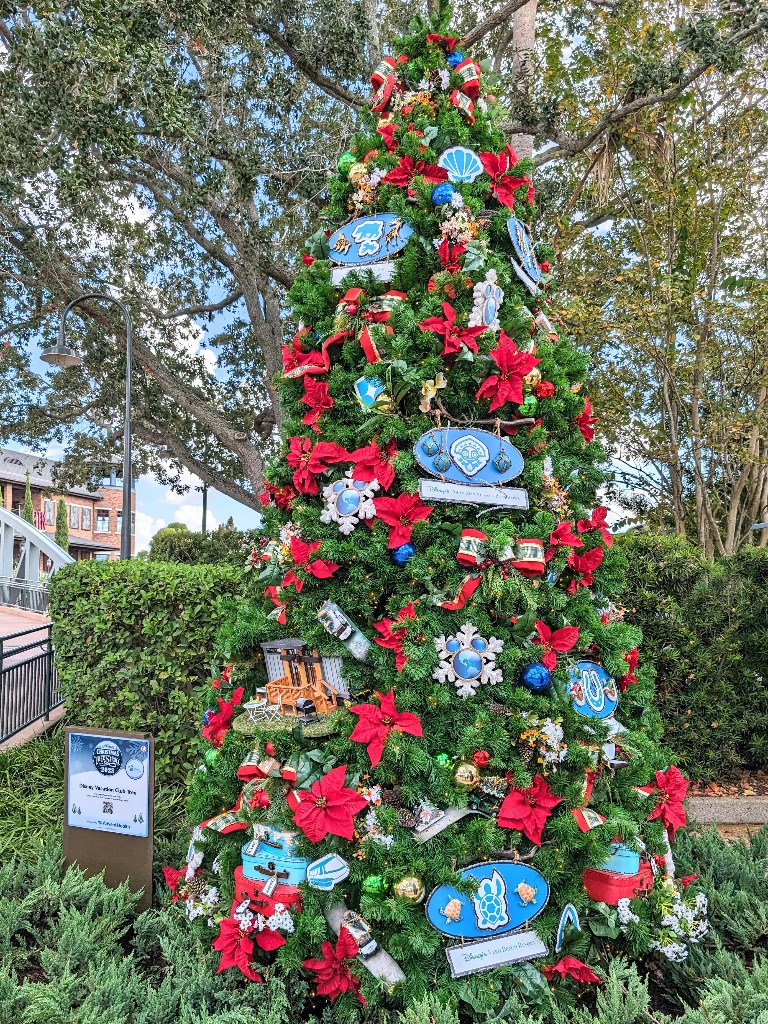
(348, 501)
(468, 660)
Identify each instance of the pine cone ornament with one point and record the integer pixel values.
(497, 709)
(195, 887)
(406, 818)
(527, 754)
(391, 797)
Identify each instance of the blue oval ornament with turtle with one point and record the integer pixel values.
(508, 896)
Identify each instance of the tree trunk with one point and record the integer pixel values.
(523, 43)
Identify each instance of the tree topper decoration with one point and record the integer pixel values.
(468, 660)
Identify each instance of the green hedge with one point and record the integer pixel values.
(134, 648)
(705, 629)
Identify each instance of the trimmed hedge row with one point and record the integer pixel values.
(134, 648)
(705, 629)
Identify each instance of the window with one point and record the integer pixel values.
(86, 518)
(133, 522)
(101, 556)
(102, 520)
(74, 517)
(50, 513)
(12, 461)
(119, 523)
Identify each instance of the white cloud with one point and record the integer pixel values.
(192, 516)
(186, 479)
(146, 527)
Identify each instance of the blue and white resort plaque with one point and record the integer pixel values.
(369, 239)
(108, 783)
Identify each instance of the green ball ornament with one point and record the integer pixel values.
(211, 756)
(529, 406)
(344, 163)
(373, 884)
(443, 760)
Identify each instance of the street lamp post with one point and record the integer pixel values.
(62, 355)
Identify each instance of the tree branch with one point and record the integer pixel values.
(212, 307)
(492, 22)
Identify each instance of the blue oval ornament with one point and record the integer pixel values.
(508, 896)
(369, 239)
(464, 456)
(592, 691)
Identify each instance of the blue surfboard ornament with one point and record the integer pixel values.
(526, 265)
(507, 897)
(568, 916)
(369, 239)
(468, 456)
(592, 691)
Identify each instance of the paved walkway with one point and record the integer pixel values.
(13, 620)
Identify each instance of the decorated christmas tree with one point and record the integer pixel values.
(433, 764)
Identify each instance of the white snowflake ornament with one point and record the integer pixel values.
(468, 660)
(347, 501)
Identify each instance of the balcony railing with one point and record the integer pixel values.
(29, 686)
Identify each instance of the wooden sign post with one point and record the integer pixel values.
(108, 810)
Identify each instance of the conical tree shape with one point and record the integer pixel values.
(28, 509)
(448, 613)
(62, 525)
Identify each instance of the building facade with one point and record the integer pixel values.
(94, 513)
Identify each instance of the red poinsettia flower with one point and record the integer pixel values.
(295, 359)
(332, 974)
(220, 721)
(273, 594)
(597, 522)
(544, 389)
(584, 565)
(449, 255)
(308, 460)
(373, 464)
(328, 807)
(687, 880)
(400, 514)
(376, 721)
(570, 967)
(562, 537)
(585, 421)
(282, 496)
(320, 568)
(507, 384)
(236, 949)
(307, 260)
(528, 810)
(317, 398)
(391, 638)
(453, 336)
(503, 184)
(447, 42)
(172, 879)
(387, 132)
(670, 790)
(407, 170)
(560, 640)
(630, 679)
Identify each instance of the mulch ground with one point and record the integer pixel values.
(746, 783)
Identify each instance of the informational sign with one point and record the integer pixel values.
(503, 497)
(108, 783)
(473, 957)
(109, 788)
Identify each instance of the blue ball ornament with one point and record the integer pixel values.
(536, 677)
(454, 59)
(403, 554)
(443, 193)
(207, 715)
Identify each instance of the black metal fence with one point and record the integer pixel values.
(29, 686)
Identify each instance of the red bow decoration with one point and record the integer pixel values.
(570, 967)
(236, 949)
(447, 42)
(597, 522)
(528, 810)
(561, 537)
(670, 789)
(453, 336)
(332, 974)
(317, 398)
(471, 552)
(584, 566)
(392, 639)
(373, 464)
(497, 167)
(273, 593)
(172, 879)
(507, 384)
(559, 641)
(375, 722)
(630, 679)
(298, 363)
(220, 721)
(308, 460)
(320, 568)
(407, 170)
(585, 421)
(328, 807)
(400, 514)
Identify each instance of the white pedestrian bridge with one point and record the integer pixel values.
(28, 557)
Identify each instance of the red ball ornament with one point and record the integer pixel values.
(270, 749)
(481, 758)
(544, 264)
(262, 799)
(352, 308)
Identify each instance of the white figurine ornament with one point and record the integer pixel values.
(488, 297)
(468, 660)
(348, 501)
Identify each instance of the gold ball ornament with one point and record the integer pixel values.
(467, 775)
(532, 378)
(356, 172)
(409, 888)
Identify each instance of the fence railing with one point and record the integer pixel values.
(29, 686)
(32, 597)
